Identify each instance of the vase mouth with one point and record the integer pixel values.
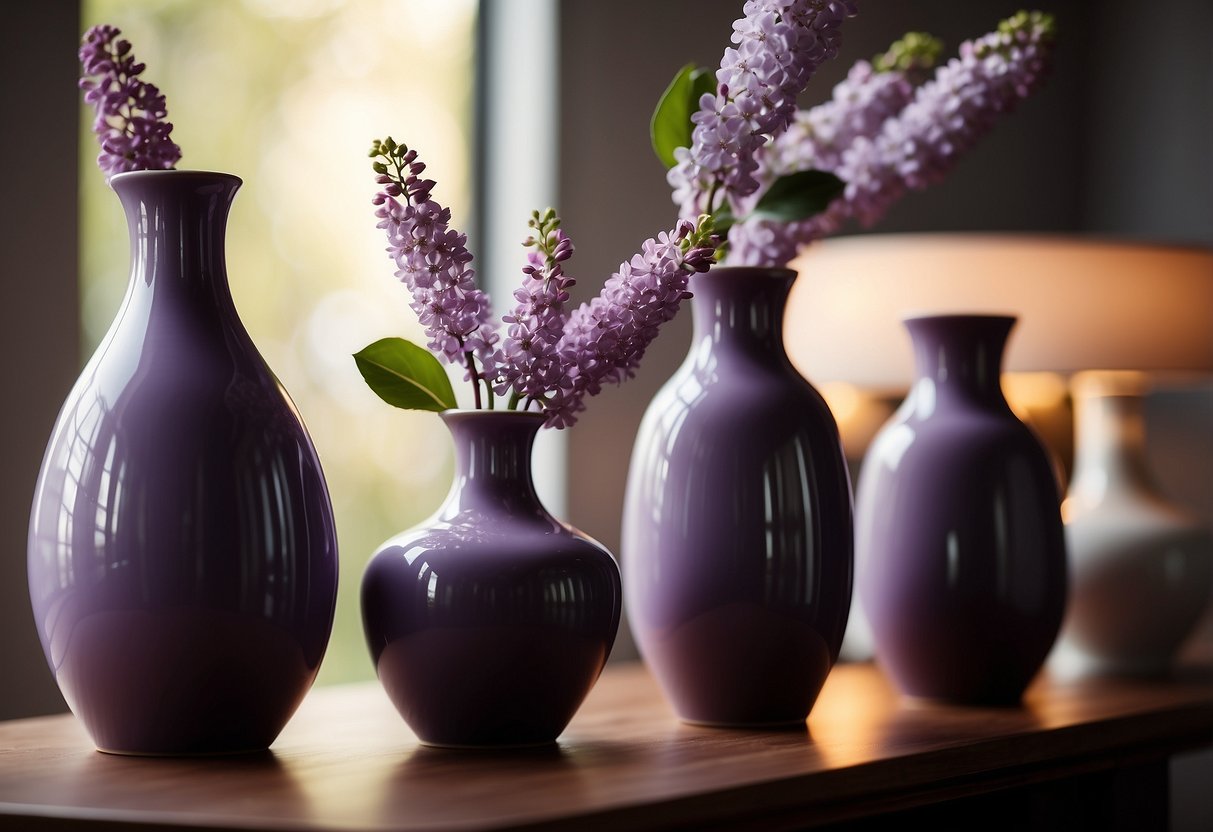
(976, 317)
(469, 414)
(749, 272)
(201, 175)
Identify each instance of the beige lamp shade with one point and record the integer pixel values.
(1082, 304)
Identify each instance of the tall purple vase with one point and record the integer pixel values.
(490, 622)
(737, 536)
(182, 554)
(959, 541)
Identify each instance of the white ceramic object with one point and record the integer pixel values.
(1141, 569)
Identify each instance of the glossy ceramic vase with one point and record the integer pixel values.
(959, 544)
(182, 555)
(1141, 567)
(737, 536)
(490, 622)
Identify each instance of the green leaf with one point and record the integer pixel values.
(798, 196)
(405, 375)
(670, 126)
(703, 81)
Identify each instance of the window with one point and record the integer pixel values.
(288, 94)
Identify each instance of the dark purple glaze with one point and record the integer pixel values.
(737, 536)
(959, 542)
(490, 622)
(182, 552)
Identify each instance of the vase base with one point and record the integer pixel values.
(915, 701)
(777, 725)
(1070, 663)
(239, 752)
(505, 746)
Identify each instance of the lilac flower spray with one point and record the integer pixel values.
(779, 45)
(531, 364)
(873, 92)
(947, 116)
(549, 359)
(433, 262)
(605, 339)
(130, 116)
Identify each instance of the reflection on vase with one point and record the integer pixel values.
(962, 568)
(737, 520)
(490, 622)
(182, 552)
(1142, 568)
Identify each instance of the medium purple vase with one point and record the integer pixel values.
(959, 542)
(490, 622)
(737, 536)
(182, 555)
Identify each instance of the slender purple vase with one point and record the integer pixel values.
(959, 541)
(737, 536)
(490, 622)
(182, 555)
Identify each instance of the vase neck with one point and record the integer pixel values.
(493, 459)
(739, 311)
(1110, 446)
(177, 222)
(960, 356)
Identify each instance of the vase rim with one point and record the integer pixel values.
(175, 174)
(912, 317)
(464, 414)
(764, 271)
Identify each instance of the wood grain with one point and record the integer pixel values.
(347, 761)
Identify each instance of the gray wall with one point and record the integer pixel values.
(39, 338)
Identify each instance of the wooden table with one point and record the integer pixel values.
(1077, 755)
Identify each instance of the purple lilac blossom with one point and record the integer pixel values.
(872, 93)
(546, 358)
(919, 146)
(605, 339)
(779, 45)
(129, 122)
(434, 263)
(531, 366)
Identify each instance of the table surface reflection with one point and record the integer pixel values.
(347, 761)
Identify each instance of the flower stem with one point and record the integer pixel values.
(716, 183)
(475, 380)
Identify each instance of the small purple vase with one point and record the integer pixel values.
(490, 622)
(959, 542)
(182, 554)
(737, 536)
